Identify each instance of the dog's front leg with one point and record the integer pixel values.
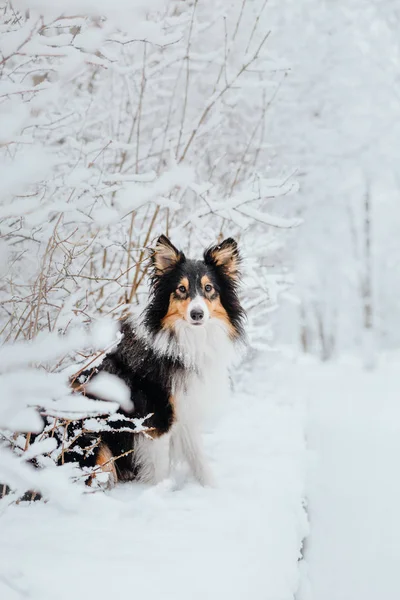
(152, 458)
(191, 447)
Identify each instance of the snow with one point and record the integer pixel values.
(95, 7)
(126, 119)
(48, 346)
(353, 491)
(135, 195)
(240, 539)
(53, 482)
(294, 430)
(41, 447)
(25, 387)
(112, 388)
(336, 119)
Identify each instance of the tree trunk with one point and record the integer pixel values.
(366, 287)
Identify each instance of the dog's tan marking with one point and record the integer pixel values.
(218, 312)
(215, 307)
(172, 401)
(177, 310)
(184, 281)
(205, 280)
(152, 433)
(104, 460)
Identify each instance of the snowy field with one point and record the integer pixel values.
(239, 540)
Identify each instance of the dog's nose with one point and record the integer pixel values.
(197, 314)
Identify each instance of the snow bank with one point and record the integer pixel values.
(353, 490)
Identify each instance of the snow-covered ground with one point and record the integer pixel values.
(241, 539)
(353, 488)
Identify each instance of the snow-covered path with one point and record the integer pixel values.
(353, 435)
(239, 540)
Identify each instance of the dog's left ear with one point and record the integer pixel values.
(225, 256)
(164, 256)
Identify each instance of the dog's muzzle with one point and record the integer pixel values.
(198, 312)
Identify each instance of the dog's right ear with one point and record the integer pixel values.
(164, 256)
(225, 256)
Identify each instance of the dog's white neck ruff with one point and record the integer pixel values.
(197, 347)
(206, 352)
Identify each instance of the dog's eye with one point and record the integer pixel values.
(182, 289)
(208, 287)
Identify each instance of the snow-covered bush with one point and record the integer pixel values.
(122, 121)
(40, 402)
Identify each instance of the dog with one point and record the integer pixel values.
(175, 361)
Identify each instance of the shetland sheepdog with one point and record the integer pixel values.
(175, 362)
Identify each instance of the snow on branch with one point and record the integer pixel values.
(29, 395)
(266, 218)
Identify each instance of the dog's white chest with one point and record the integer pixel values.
(201, 397)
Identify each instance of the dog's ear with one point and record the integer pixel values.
(164, 256)
(224, 256)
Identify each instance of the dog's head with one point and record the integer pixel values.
(195, 292)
